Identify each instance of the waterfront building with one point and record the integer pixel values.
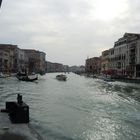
(9, 51)
(14, 59)
(93, 65)
(66, 68)
(35, 61)
(111, 58)
(108, 62)
(77, 69)
(133, 63)
(22, 60)
(105, 62)
(56, 67)
(111, 62)
(50, 67)
(42, 63)
(121, 55)
(127, 55)
(123, 60)
(4, 61)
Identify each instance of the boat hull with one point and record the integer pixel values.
(61, 77)
(27, 78)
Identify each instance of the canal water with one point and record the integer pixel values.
(80, 108)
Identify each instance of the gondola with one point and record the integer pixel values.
(26, 77)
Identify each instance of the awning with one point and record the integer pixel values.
(109, 71)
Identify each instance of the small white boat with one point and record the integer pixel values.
(61, 77)
(107, 78)
(3, 75)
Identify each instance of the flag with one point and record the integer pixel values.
(0, 2)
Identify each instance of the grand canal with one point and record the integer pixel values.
(80, 108)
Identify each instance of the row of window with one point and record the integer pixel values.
(116, 58)
(120, 43)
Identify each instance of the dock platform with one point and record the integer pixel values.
(10, 131)
(14, 122)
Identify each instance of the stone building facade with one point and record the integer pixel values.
(105, 61)
(9, 57)
(35, 61)
(93, 65)
(4, 61)
(22, 60)
(56, 67)
(14, 59)
(123, 59)
(127, 55)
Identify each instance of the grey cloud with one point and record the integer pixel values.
(66, 30)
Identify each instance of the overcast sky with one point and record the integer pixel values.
(68, 31)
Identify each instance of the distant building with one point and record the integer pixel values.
(93, 65)
(42, 62)
(56, 67)
(36, 60)
(49, 67)
(22, 60)
(77, 69)
(66, 68)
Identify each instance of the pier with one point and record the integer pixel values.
(17, 128)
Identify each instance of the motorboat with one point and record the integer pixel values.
(61, 77)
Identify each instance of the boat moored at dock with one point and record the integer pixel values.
(106, 78)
